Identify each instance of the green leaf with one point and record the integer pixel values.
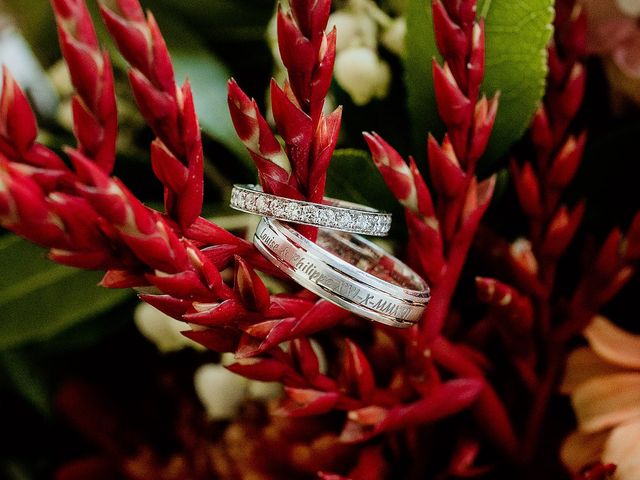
(221, 20)
(353, 177)
(517, 34)
(421, 101)
(27, 378)
(39, 299)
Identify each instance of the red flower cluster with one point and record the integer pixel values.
(441, 232)
(298, 170)
(534, 321)
(384, 386)
(90, 220)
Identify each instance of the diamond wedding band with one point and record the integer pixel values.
(347, 270)
(333, 214)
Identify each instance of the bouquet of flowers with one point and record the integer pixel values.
(451, 350)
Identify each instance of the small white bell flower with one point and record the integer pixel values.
(353, 30)
(362, 74)
(629, 7)
(393, 37)
(162, 330)
(220, 391)
(264, 391)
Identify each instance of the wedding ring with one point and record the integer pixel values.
(333, 214)
(348, 270)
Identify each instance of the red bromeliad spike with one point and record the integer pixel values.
(168, 109)
(440, 242)
(307, 52)
(461, 200)
(94, 109)
(299, 170)
(451, 39)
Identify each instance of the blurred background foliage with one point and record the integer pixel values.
(54, 322)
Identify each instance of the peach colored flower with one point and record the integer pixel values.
(604, 383)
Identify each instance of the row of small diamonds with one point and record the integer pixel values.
(332, 217)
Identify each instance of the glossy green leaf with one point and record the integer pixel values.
(421, 100)
(39, 298)
(221, 20)
(27, 378)
(517, 34)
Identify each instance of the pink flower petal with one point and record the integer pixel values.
(605, 36)
(613, 344)
(606, 401)
(623, 449)
(584, 364)
(580, 449)
(626, 55)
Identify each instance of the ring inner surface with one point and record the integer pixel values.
(362, 256)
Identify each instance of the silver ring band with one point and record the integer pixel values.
(347, 270)
(333, 214)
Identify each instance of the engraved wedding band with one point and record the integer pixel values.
(333, 214)
(347, 270)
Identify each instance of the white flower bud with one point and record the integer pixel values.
(161, 329)
(220, 391)
(227, 359)
(362, 74)
(264, 391)
(393, 37)
(629, 7)
(353, 30)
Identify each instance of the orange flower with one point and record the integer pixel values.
(604, 383)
